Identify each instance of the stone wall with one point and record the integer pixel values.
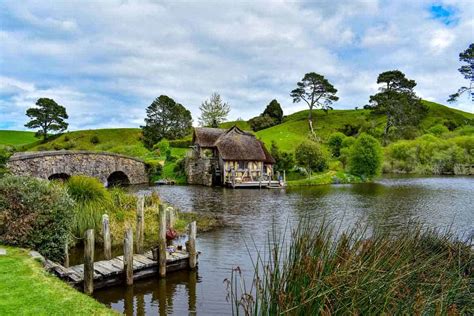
(94, 164)
(199, 169)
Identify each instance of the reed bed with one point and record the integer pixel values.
(317, 271)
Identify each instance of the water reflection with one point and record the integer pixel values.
(389, 204)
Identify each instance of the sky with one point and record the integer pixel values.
(106, 61)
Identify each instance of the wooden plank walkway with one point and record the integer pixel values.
(111, 272)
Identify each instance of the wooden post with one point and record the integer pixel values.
(106, 236)
(66, 253)
(89, 262)
(170, 217)
(162, 242)
(140, 223)
(284, 176)
(192, 245)
(128, 256)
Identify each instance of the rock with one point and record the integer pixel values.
(3, 252)
(37, 256)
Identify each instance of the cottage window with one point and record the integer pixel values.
(243, 165)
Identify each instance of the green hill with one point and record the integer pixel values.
(17, 138)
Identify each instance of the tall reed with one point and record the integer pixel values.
(317, 271)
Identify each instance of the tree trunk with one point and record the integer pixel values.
(310, 120)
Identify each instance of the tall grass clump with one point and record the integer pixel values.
(318, 272)
(92, 200)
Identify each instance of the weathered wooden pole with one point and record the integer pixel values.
(170, 217)
(89, 261)
(128, 256)
(140, 223)
(284, 176)
(66, 253)
(106, 237)
(162, 241)
(192, 245)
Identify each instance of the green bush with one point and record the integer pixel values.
(179, 168)
(335, 143)
(312, 156)
(163, 146)
(365, 158)
(5, 153)
(181, 143)
(95, 140)
(154, 169)
(35, 214)
(284, 160)
(261, 122)
(438, 130)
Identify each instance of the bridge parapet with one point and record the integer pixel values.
(107, 167)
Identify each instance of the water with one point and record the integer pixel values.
(389, 203)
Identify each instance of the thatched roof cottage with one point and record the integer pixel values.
(234, 156)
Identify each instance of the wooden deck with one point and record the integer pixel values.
(111, 272)
(274, 184)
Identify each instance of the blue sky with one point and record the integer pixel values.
(107, 60)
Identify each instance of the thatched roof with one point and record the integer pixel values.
(232, 144)
(206, 137)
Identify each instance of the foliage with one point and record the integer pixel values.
(154, 169)
(163, 146)
(48, 116)
(284, 160)
(316, 91)
(430, 155)
(274, 111)
(94, 139)
(179, 168)
(165, 119)
(328, 177)
(262, 122)
(213, 111)
(365, 157)
(311, 156)
(397, 101)
(26, 289)
(467, 71)
(438, 130)
(5, 153)
(35, 214)
(316, 270)
(335, 143)
(181, 143)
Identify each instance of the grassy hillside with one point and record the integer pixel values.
(17, 138)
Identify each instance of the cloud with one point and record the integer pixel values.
(107, 60)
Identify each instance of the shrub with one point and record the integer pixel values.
(35, 214)
(154, 169)
(284, 160)
(179, 168)
(350, 130)
(335, 143)
(163, 146)
(181, 143)
(438, 130)
(261, 122)
(365, 158)
(5, 153)
(311, 156)
(95, 140)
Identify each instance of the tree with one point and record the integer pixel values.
(213, 111)
(48, 116)
(261, 122)
(397, 100)
(365, 157)
(165, 119)
(310, 155)
(467, 71)
(274, 111)
(284, 160)
(316, 91)
(335, 143)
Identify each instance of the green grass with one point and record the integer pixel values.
(26, 289)
(329, 177)
(243, 125)
(317, 270)
(17, 138)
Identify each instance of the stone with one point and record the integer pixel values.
(44, 164)
(3, 251)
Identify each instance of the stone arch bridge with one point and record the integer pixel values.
(111, 169)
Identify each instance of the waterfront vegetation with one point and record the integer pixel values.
(27, 289)
(316, 270)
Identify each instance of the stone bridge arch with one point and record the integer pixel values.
(109, 168)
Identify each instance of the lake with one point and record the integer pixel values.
(389, 203)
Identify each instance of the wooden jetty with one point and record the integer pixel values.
(111, 272)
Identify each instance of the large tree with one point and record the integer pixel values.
(165, 119)
(48, 116)
(397, 100)
(317, 92)
(213, 111)
(467, 71)
(274, 110)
